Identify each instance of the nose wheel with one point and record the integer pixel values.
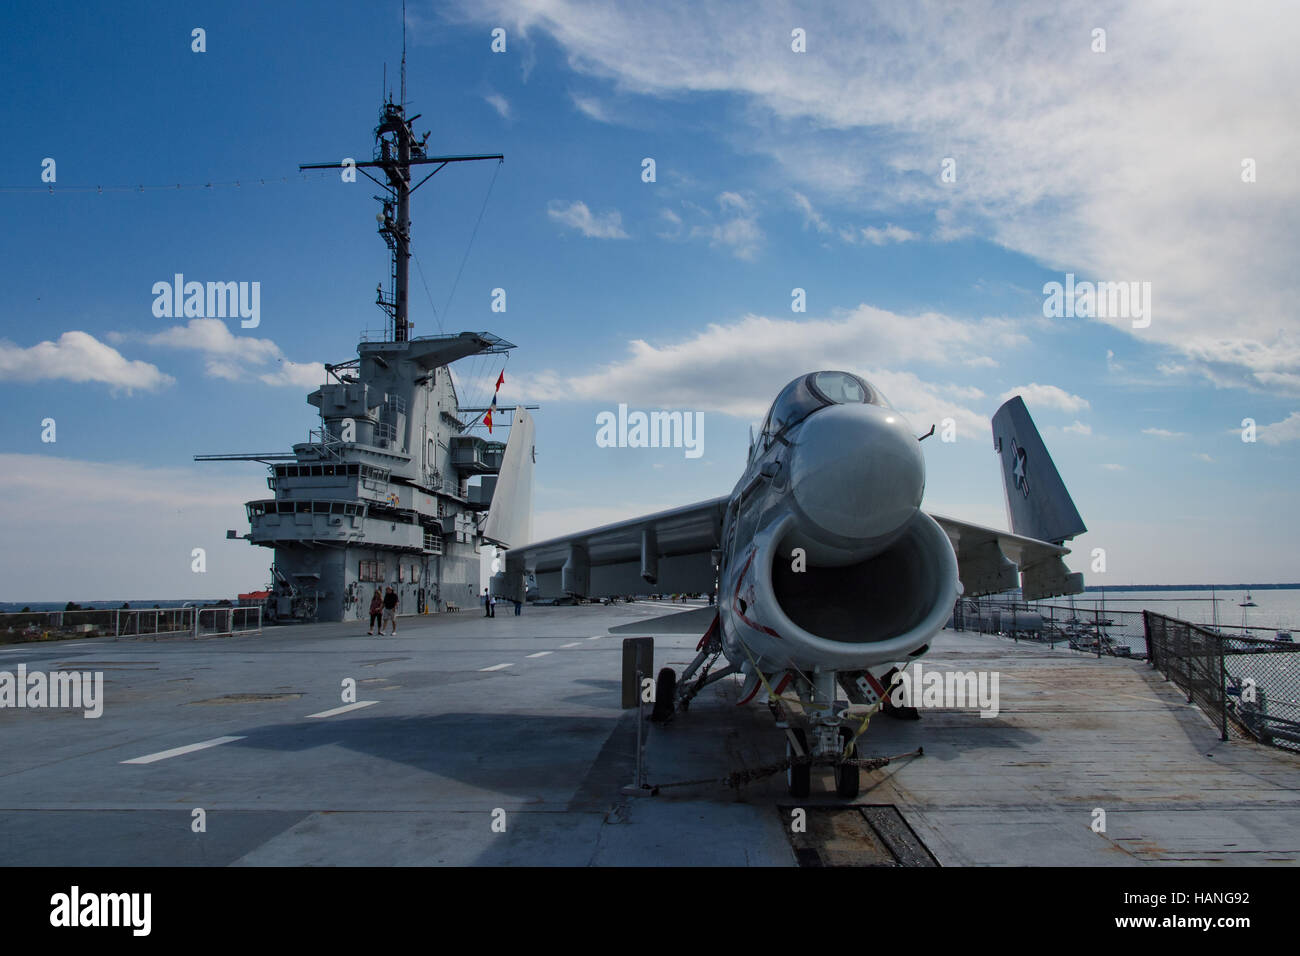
(665, 696)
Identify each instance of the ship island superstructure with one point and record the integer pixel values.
(382, 493)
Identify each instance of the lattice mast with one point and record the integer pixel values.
(396, 150)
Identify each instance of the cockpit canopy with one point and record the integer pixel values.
(812, 392)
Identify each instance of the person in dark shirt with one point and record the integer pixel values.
(390, 611)
(376, 612)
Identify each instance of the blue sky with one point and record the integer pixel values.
(775, 170)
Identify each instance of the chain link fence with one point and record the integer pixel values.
(1250, 687)
(1095, 631)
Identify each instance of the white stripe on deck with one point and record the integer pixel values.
(344, 709)
(541, 653)
(596, 638)
(574, 644)
(495, 667)
(177, 751)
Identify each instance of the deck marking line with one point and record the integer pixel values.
(342, 710)
(495, 667)
(541, 653)
(574, 644)
(177, 751)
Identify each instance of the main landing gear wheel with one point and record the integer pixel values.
(847, 776)
(665, 691)
(798, 779)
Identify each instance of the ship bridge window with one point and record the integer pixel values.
(302, 507)
(316, 471)
(320, 507)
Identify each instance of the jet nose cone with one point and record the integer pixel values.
(857, 473)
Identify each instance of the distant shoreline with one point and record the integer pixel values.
(144, 604)
(12, 607)
(1192, 587)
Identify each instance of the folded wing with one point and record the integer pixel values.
(988, 561)
(669, 551)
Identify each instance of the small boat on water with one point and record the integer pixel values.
(1249, 602)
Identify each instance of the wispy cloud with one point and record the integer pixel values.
(866, 119)
(576, 215)
(1048, 396)
(78, 357)
(878, 236)
(500, 104)
(736, 367)
(734, 227)
(1163, 433)
(1288, 429)
(811, 217)
(590, 107)
(238, 358)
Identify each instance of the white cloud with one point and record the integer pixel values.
(674, 221)
(1036, 395)
(576, 215)
(590, 107)
(1113, 467)
(736, 228)
(883, 237)
(1078, 428)
(1034, 120)
(1202, 456)
(736, 368)
(213, 337)
(237, 358)
(301, 374)
(1288, 429)
(78, 357)
(1111, 364)
(499, 103)
(1163, 433)
(811, 217)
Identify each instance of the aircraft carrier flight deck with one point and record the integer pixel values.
(502, 741)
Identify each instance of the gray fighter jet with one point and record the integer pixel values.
(827, 572)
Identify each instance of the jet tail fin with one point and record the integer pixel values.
(1038, 506)
(510, 517)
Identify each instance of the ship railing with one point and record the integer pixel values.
(218, 620)
(154, 622)
(327, 443)
(89, 623)
(1092, 631)
(227, 621)
(1248, 687)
